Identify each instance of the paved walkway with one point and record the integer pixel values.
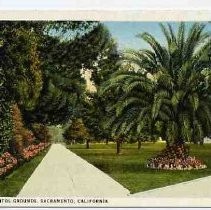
(198, 188)
(62, 173)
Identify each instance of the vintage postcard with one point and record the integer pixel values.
(105, 108)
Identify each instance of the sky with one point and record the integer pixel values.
(125, 32)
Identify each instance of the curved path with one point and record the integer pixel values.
(62, 173)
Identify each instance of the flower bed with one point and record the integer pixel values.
(33, 150)
(175, 157)
(7, 163)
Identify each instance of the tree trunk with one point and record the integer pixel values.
(202, 142)
(118, 146)
(106, 141)
(139, 144)
(87, 144)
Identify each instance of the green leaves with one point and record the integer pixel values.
(76, 131)
(21, 66)
(177, 97)
(168, 90)
(194, 101)
(6, 124)
(132, 101)
(161, 52)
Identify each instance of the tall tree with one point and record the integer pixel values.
(27, 59)
(77, 132)
(64, 57)
(107, 61)
(167, 89)
(93, 113)
(21, 66)
(41, 63)
(104, 66)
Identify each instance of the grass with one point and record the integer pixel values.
(129, 168)
(12, 184)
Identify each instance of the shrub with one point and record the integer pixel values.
(28, 137)
(41, 132)
(22, 136)
(175, 157)
(5, 126)
(33, 150)
(7, 163)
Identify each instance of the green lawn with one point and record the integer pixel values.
(130, 170)
(12, 184)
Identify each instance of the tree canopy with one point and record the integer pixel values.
(165, 89)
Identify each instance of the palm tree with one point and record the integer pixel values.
(165, 90)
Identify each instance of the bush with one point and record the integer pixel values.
(41, 132)
(5, 126)
(175, 157)
(33, 150)
(22, 136)
(7, 163)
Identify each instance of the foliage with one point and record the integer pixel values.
(41, 132)
(5, 126)
(22, 136)
(41, 53)
(21, 66)
(62, 61)
(33, 150)
(93, 115)
(11, 186)
(175, 157)
(7, 164)
(164, 90)
(95, 105)
(107, 61)
(76, 132)
(5, 116)
(45, 61)
(55, 106)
